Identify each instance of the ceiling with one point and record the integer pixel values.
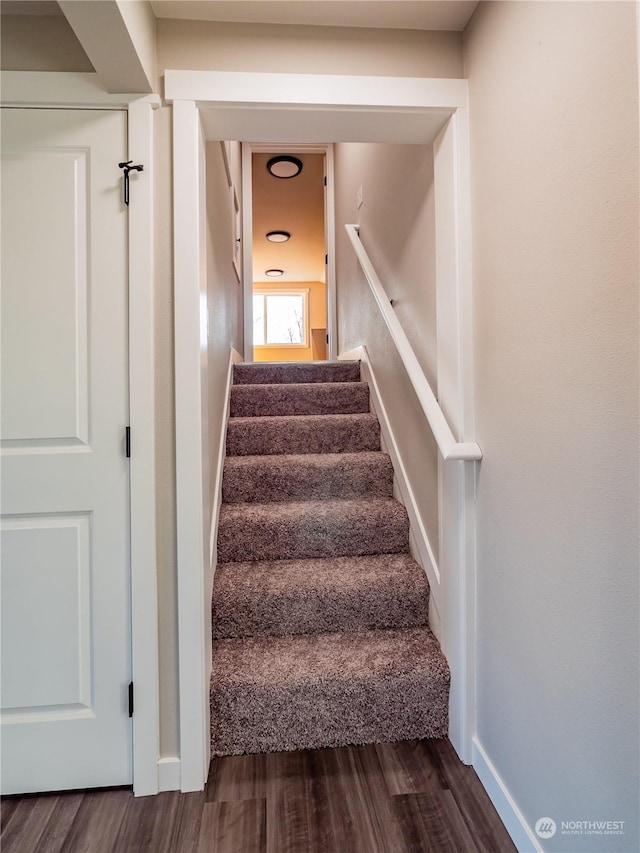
(393, 14)
(451, 15)
(295, 205)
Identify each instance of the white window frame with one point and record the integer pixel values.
(285, 291)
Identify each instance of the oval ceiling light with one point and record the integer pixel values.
(284, 166)
(278, 236)
(274, 273)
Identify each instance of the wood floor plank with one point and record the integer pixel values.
(407, 767)
(28, 821)
(60, 823)
(289, 773)
(7, 808)
(174, 808)
(230, 827)
(411, 797)
(424, 824)
(97, 821)
(358, 805)
(181, 831)
(458, 826)
(237, 777)
(136, 827)
(296, 824)
(472, 800)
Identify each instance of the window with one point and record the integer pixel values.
(280, 319)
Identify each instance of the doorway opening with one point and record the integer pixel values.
(288, 251)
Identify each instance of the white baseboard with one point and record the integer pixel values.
(169, 774)
(234, 358)
(521, 833)
(419, 538)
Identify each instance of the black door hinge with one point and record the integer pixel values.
(131, 699)
(327, 338)
(127, 442)
(325, 180)
(326, 260)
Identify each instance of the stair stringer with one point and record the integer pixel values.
(216, 499)
(419, 543)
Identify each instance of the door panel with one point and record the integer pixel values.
(52, 251)
(65, 514)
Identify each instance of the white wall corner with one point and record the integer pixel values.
(169, 773)
(521, 833)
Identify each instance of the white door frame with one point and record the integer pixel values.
(82, 91)
(248, 148)
(389, 105)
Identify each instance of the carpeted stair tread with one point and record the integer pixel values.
(312, 398)
(320, 614)
(317, 596)
(268, 373)
(328, 528)
(303, 434)
(323, 690)
(306, 476)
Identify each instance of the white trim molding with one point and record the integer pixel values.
(456, 479)
(248, 149)
(361, 107)
(521, 833)
(249, 88)
(169, 773)
(34, 89)
(234, 358)
(191, 560)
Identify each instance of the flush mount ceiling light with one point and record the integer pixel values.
(278, 236)
(274, 273)
(284, 166)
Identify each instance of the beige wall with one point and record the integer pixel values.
(554, 145)
(40, 43)
(397, 228)
(202, 45)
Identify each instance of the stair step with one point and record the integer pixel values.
(318, 596)
(331, 528)
(303, 434)
(267, 373)
(313, 398)
(306, 476)
(273, 694)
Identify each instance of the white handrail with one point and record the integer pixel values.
(448, 446)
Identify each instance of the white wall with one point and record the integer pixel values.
(397, 228)
(554, 146)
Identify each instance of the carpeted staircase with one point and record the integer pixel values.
(319, 612)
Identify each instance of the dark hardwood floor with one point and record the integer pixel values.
(408, 796)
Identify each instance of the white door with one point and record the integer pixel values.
(65, 481)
